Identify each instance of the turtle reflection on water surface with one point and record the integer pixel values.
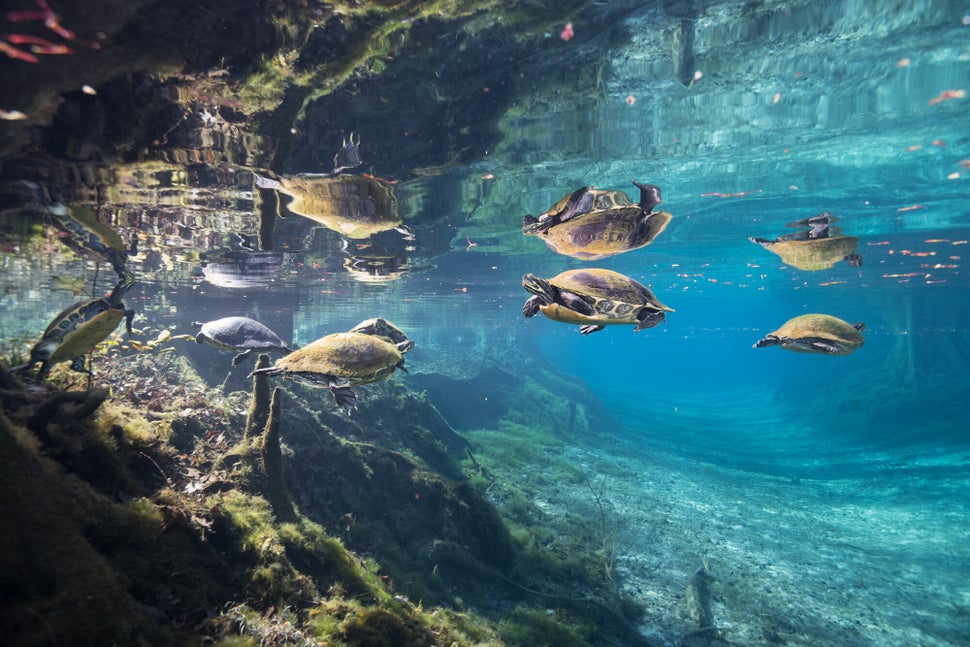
(590, 224)
(355, 206)
(370, 352)
(79, 328)
(816, 333)
(593, 298)
(818, 246)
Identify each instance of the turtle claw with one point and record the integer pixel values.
(589, 329)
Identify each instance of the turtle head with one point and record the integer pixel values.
(770, 340)
(539, 287)
(125, 280)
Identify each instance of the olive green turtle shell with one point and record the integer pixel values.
(814, 254)
(80, 327)
(842, 334)
(351, 205)
(611, 226)
(357, 357)
(616, 298)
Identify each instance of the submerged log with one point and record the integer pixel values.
(259, 407)
(272, 464)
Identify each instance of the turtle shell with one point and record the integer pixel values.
(351, 205)
(813, 254)
(77, 330)
(356, 357)
(238, 333)
(606, 223)
(797, 334)
(614, 297)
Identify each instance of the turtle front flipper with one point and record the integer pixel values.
(531, 306)
(575, 303)
(344, 396)
(649, 196)
(589, 329)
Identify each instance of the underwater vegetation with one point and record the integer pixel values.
(191, 520)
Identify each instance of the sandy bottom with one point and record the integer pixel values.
(785, 561)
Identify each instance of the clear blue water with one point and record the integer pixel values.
(855, 108)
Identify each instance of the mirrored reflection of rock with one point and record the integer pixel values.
(817, 246)
(591, 224)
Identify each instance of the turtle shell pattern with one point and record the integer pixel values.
(356, 357)
(615, 298)
(843, 335)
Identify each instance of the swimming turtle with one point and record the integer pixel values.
(593, 298)
(591, 224)
(79, 328)
(816, 333)
(239, 333)
(818, 247)
(342, 360)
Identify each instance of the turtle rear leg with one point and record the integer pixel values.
(649, 196)
(241, 356)
(344, 396)
(589, 329)
(129, 315)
